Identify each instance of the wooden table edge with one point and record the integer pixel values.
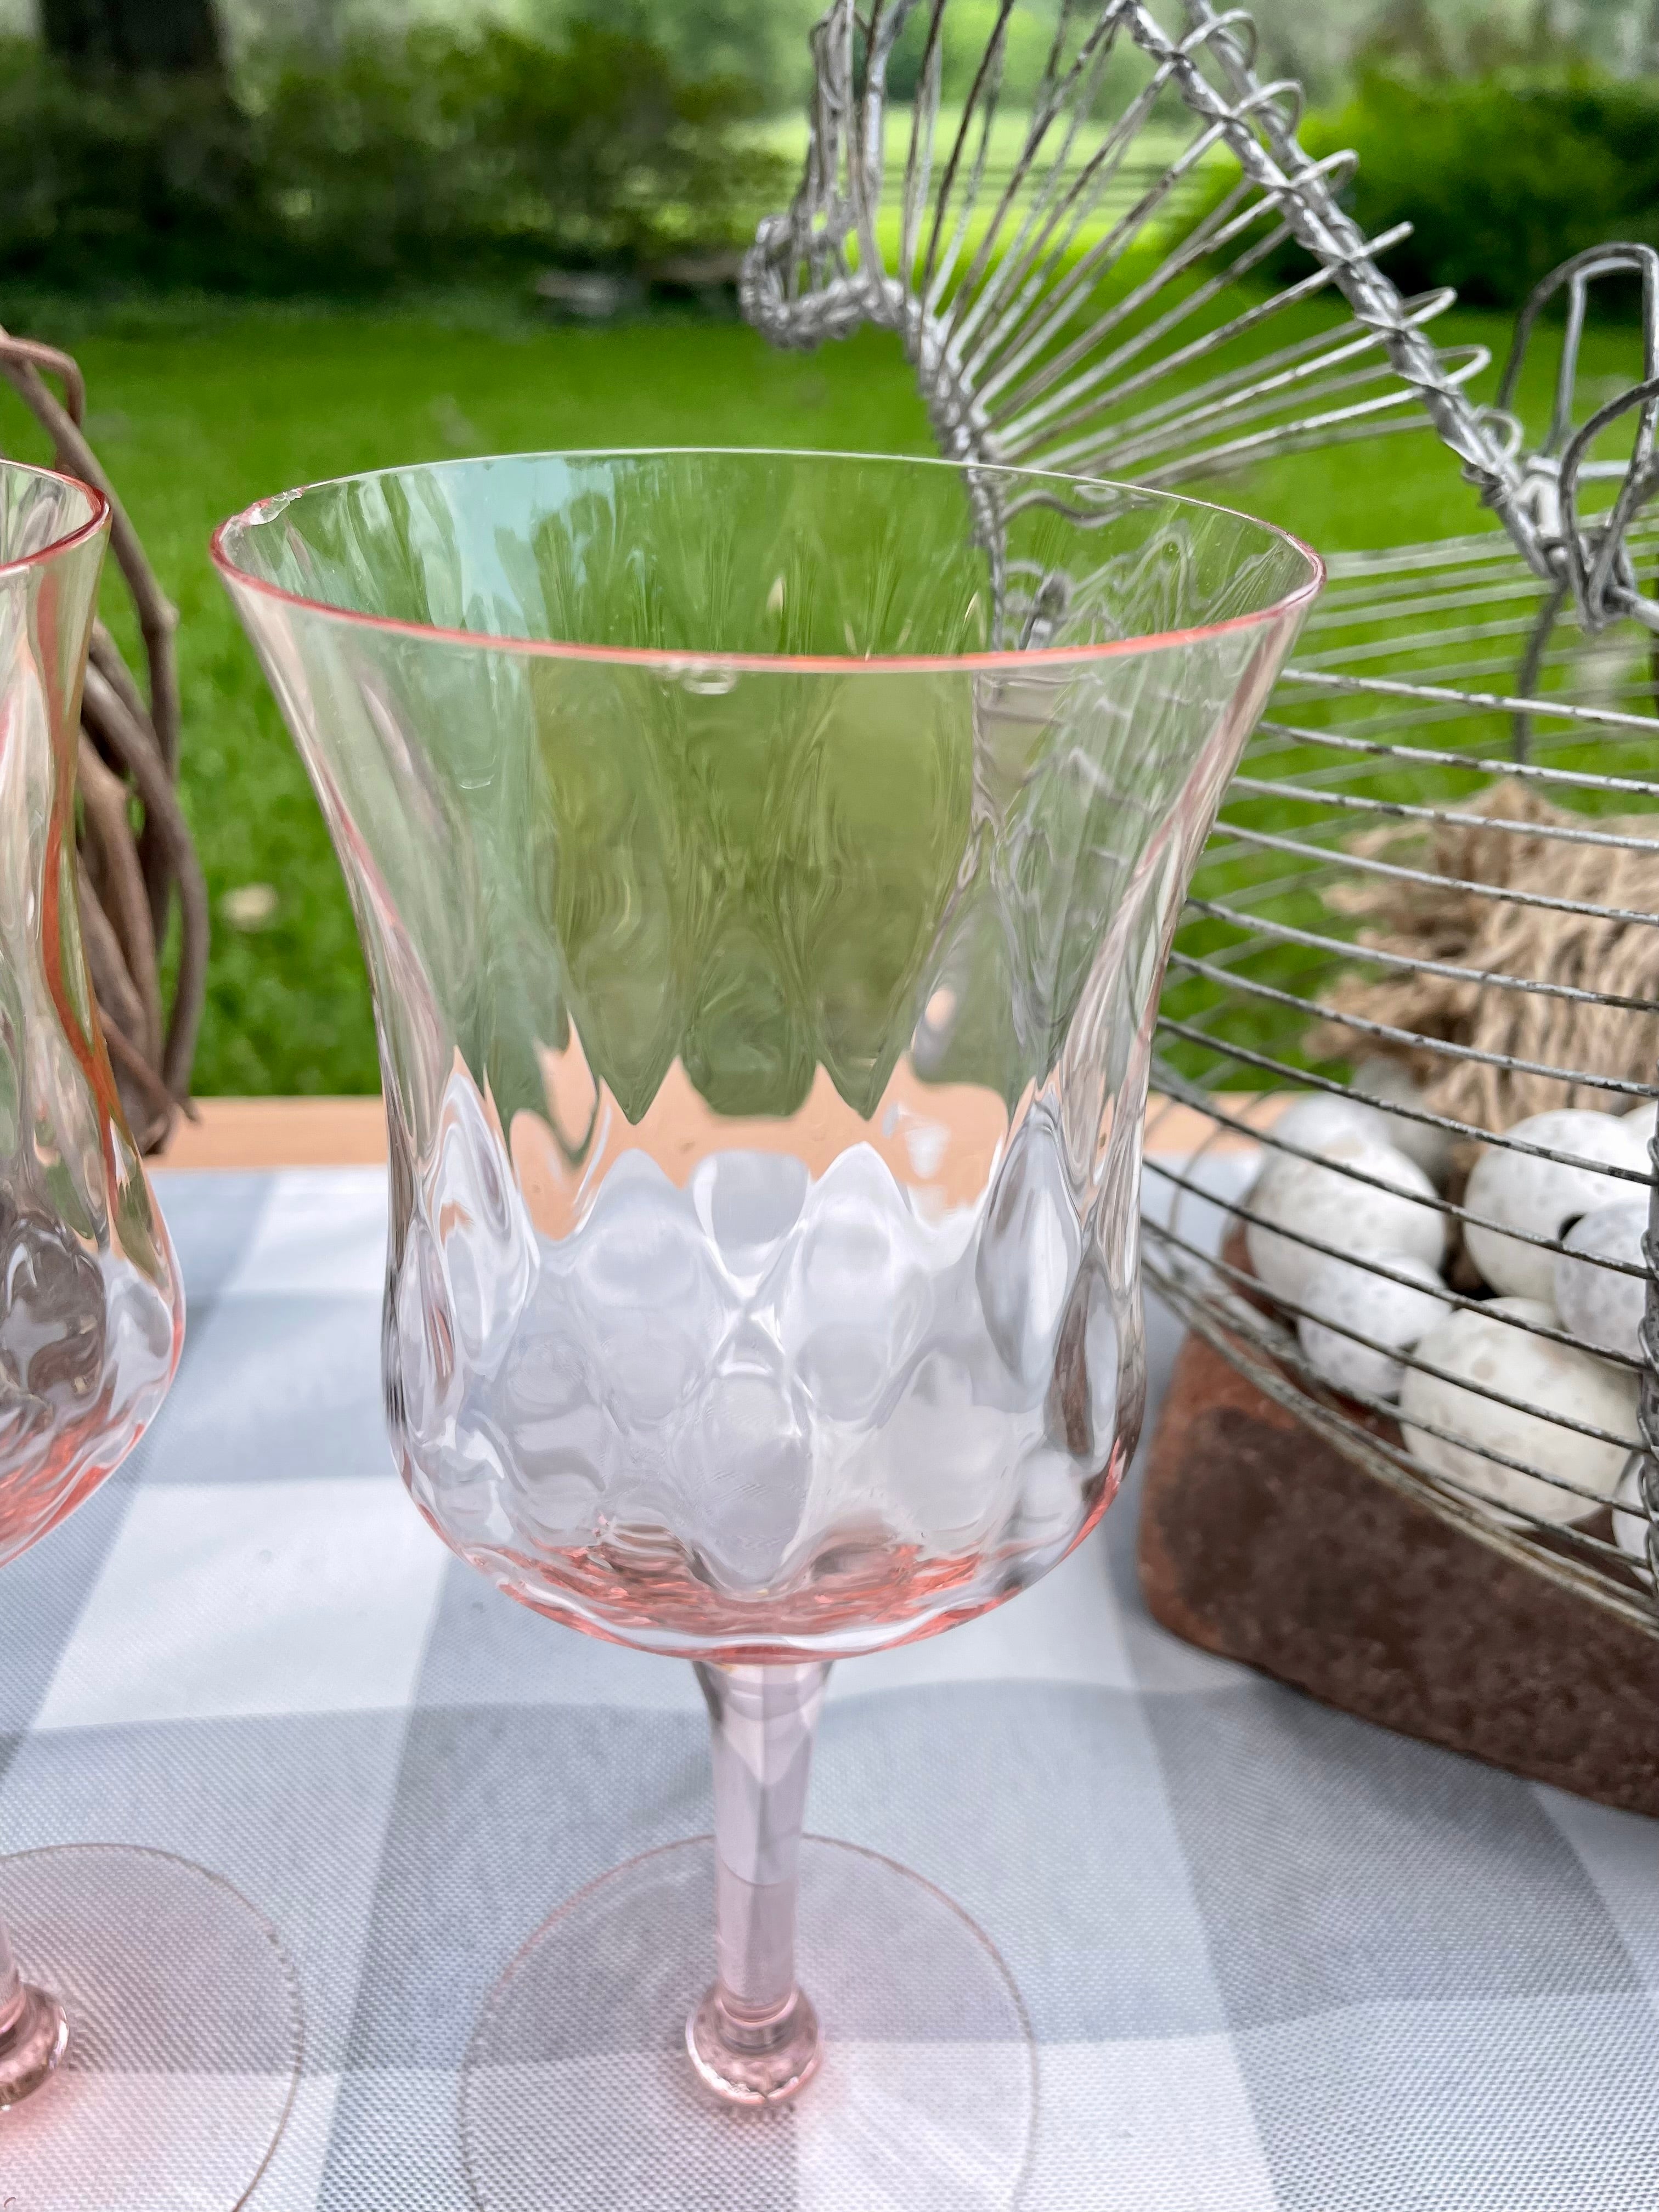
(231, 1133)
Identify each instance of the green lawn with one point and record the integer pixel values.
(194, 415)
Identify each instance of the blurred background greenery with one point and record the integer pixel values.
(330, 146)
(292, 238)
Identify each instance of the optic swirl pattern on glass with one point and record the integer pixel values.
(765, 864)
(91, 1310)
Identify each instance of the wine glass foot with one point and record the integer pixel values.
(752, 2078)
(582, 2083)
(184, 2034)
(32, 2045)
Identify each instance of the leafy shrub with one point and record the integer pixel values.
(1501, 178)
(437, 158)
(966, 31)
(1032, 35)
(153, 179)
(167, 36)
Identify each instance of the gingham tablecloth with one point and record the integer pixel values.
(1273, 1957)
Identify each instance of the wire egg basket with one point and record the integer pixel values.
(1368, 790)
(1432, 876)
(1436, 880)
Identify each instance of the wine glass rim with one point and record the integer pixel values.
(58, 546)
(680, 660)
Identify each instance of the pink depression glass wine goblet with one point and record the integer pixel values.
(149, 2030)
(766, 865)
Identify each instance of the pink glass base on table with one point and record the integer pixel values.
(757, 2057)
(577, 2088)
(159, 2070)
(33, 2033)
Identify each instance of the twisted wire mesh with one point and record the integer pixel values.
(1110, 296)
(1073, 300)
(1402, 709)
(1072, 304)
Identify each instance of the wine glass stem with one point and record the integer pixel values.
(754, 2023)
(12, 1987)
(33, 2031)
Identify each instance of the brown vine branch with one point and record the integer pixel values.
(130, 877)
(116, 881)
(134, 749)
(143, 1077)
(157, 617)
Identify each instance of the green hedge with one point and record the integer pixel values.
(436, 159)
(1501, 178)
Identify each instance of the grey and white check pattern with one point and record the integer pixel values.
(1273, 1957)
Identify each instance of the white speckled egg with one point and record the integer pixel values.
(1601, 1307)
(1515, 1191)
(1347, 1294)
(1316, 1120)
(1318, 1199)
(1631, 1528)
(1480, 1346)
(1389, 1082)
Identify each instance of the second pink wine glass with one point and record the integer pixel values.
(150, 2026)
(766, 865)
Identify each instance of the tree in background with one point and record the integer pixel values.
(162, 38)
(1501, 178)
(436, 157)
(762, 43)
(1321, 43)
(1405, 31)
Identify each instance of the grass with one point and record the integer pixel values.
(193, 423)
(197, 412)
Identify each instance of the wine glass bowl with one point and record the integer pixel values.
(765, 874)
(91, 1310)
(765, 864)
